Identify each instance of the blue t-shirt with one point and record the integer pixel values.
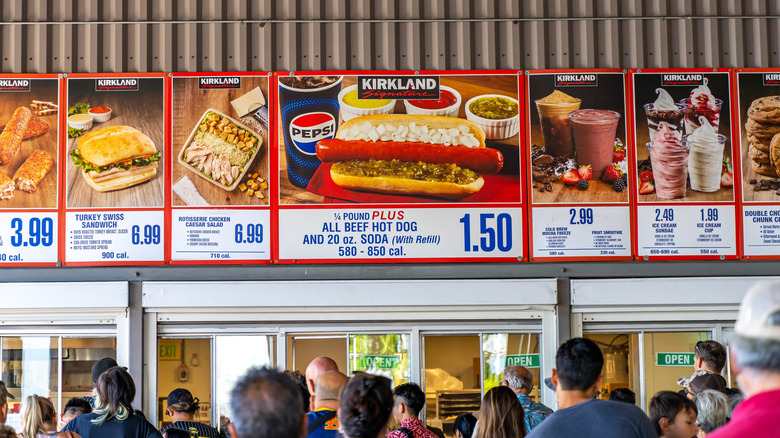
(329, 429)
(134, 426)
(598, 419)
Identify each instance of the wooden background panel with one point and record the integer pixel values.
(189, 105)
(45, 196)
(142, 110)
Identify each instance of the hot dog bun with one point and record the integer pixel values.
(410, 155)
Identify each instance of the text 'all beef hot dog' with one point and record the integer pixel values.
(410, 154)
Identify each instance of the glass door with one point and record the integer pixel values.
(383, 355)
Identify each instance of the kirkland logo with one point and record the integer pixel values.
(588, 80)
(226, 82)
(116, 85)
(669, 80)
(307, 129)
(771, 78)
(14, 85)
(402, 88)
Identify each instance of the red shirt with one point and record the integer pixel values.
(416, 426)
(757, 416)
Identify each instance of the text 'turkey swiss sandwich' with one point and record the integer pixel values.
(116, 157)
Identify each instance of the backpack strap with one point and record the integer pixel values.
(314, 425)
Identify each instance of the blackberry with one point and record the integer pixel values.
(619, 185)
(624, 178)
(582, 184)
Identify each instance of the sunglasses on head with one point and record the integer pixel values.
(697, 349)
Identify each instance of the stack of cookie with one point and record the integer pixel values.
(762, 128)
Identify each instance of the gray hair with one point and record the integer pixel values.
(713, 407)
(518, 377)
(756, 353)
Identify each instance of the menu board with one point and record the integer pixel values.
(683, 143)
(115, 169)
(400, 166)
(220, 175)
(758, 123)
(29, 163)
(578, 163)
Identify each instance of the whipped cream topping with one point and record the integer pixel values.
(669, 158)
(702, 98)
(664, 101)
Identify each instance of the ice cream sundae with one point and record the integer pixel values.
(701, 103)
(664, 109)
(706, 157)
(669, 158)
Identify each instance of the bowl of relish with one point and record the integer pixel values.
(496, 114)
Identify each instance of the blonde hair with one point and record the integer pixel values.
(36, 411)
(501, 415)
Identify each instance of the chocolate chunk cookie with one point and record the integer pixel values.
(765, 110)
(761, 130)
(774, 152)
(765, 169)
(762, 144)
(758, 156)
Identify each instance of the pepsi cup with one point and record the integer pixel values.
(310, 113)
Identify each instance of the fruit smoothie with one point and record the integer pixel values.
(594, 137)
(669, 158)
(664, 109)
(701, 103)
(554, 112)
(706, 157)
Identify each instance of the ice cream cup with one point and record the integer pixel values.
(692, 114)
(556, 127)
(705, 162)
(351, 111)
(673, 118)
(670, 178)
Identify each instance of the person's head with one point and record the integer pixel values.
(624, 395)
(756, 341)
(175, 432)
(300, 380)
(734, 401)
(673, 415)
(266, 404)
(578, 366)
(316, 367)
(328, 389)
(7, 431)
(100, 367)
(182, 406)
(464, 425)
(115, 391)
(501, 415)
(713, 410)
(710, 356)
(4, 396)
(518, 379)
(38, 416)
(73, 408)
(365, 406)
(409, 401)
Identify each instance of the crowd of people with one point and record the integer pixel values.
(325, 403)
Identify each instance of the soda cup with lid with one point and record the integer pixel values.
(309, 106)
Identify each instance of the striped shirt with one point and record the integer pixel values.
(196, 430)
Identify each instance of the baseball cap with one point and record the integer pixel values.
(180, 395)
(701, 380)
(101, 366)
(4, 394)
(548, 382)
(759, 314)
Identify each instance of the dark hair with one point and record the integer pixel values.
(266, 404)
(300, 380)
(501, 415)
(713, 354)
(102, 366)
(366, 403)
(77, 406)
(465, 424)
(115, 394)
(175, 432)
(578, 362)
(624, 395)
(412, 396)
(7, 431)
(667, 404)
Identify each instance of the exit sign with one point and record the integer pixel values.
(674, 359)
(523, 360)
(169, 349)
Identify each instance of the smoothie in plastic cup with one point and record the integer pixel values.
(594, 137)
(556, 126)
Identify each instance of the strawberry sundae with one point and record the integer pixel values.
(701, 103)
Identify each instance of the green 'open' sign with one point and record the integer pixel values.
(523, 360)
(674, 359)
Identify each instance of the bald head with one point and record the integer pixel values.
(318, 366)
(329, 386)
(518, 379)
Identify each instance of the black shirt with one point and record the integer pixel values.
(196, 430)
(134, 426)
